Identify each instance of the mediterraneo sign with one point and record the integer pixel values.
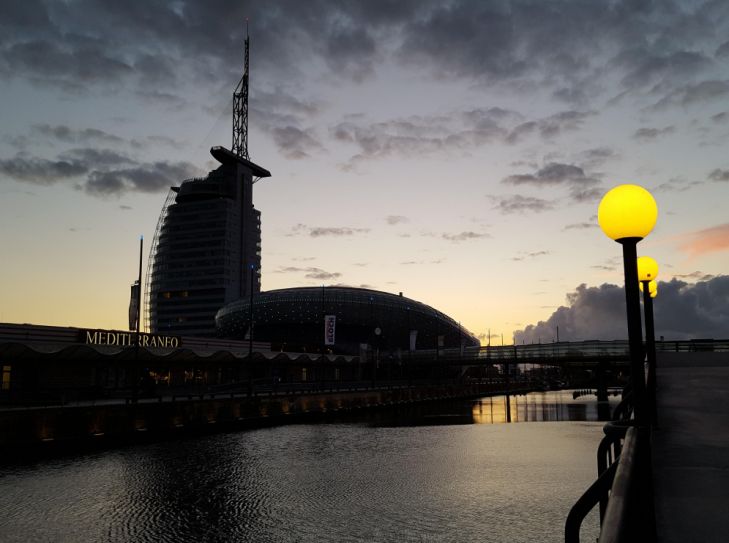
(128, 339)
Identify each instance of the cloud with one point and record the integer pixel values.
(41, 171)
(310, 272)
(695, 276)
(597, 156)
(295, 143)
(682, 311)
(155, 177)
(321, 231)
(676, 185)
(396, 219)
(67, 134)
(549, 127)
(566, 47)
(96, 157)
(689, 95)
(651, 134)
(521, 204)
(463, 236)
(582, 187)
(706, 241)
(719, 175)
(533, 254)
(581, 226)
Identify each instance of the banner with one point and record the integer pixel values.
(330, 326)
(413, 338)
(134, 306)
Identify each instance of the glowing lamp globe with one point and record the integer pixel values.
(653, 288)
(627, 211)
(647, 268)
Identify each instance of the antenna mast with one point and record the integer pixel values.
(240, 110)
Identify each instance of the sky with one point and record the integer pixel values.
(454, 151)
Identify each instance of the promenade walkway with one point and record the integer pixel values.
(691, 447)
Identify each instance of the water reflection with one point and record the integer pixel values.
(532, 407)
(425, 474)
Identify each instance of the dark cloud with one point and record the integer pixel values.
(459, 132)
(723, 50)
(463, 236)
(695, 276)
(295, 143)
(682, 311)
(689, 95)
(549, 127)
(68, 134)
(521, 204)
(651, 134)
(71, 64)
(582, 187)
(719, 175)
(41, 171)
(649, 70)
(563, 45)
(720, 117)
(95, 158)
(155, 177)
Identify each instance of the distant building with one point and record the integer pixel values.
(293, 319)
(207, 248)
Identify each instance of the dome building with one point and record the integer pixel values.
(293, 319)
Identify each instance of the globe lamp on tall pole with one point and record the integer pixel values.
(627, 214)
(647, 273)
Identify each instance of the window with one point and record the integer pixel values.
(6, 377)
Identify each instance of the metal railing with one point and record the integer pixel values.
(623, 489)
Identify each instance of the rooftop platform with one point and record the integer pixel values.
(690, 447)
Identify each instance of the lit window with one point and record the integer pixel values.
(6, 377)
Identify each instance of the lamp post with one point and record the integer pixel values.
(250, 333)
(628, 213)
(647, 273)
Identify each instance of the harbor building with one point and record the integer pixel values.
(206, 250)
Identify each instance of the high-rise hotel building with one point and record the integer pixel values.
(207, 248)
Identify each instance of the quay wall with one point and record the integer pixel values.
(79, 424)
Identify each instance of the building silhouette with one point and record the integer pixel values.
(206, 250)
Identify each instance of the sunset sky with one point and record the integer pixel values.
(455, 151)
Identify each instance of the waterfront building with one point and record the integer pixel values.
(297, 319)
(207, 248)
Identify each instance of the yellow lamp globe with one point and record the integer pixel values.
(627, 211)
(654, 293)
(653, 286)
(647, 268)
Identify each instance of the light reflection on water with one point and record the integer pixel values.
(437, 481)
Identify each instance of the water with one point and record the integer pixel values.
(390, 478)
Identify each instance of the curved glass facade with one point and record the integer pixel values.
(293, 319)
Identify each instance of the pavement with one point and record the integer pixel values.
(690, 447)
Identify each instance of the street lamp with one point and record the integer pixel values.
(647, 273)
(628, 213)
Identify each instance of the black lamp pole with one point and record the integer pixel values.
(650, 345)
(635, 330)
